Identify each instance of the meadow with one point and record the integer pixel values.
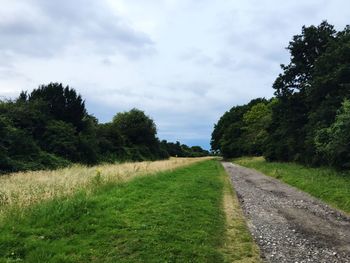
(185, 211)
(19, 190)
(327, 184)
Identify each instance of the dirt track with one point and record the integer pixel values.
(287, 224)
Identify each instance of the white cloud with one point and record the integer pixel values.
(46, 28)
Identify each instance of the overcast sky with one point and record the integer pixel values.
(184, 62)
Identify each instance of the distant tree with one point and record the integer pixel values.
(233, 143)
(256, 122)
(182, 150)
(139, 133)
(229, 133)
(197, 151)
(173, 149)
(110, 141)
(136, 127)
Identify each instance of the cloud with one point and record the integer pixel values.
(183, 62)
(41, 28)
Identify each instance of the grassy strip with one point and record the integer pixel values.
(174, 216)
(24, 189)
(324, 183)
(239, 245)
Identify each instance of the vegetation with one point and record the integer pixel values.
(50, 128)
(174, 216)
(327, 184)
(23, 189)
(182, 150)
(242, 130)
(307, 120)
(239, 245)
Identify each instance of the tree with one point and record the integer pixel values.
(229, 133)
(256, 121)
(197, 151)
(61, 138)
(63, 103)
(173, 149)
(136, 128)
(333, 142)
(303, 122)
(329, 87)
(110, 141)
(288, 132)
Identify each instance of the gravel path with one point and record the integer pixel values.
(287, 224)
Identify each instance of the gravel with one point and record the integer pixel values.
(287, 224)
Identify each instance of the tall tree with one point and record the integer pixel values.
(63, 103)
(290, 115)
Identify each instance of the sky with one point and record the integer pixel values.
(184, 62)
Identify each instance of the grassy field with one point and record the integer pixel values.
(189, 214)
(324, 183)
(23, 189)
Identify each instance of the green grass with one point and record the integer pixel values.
(239, 244)
(173, 216)
(331, 186)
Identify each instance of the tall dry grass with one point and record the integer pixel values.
(26, 188)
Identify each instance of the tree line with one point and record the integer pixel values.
(308, 119)
(50, 128)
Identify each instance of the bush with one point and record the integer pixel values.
(333, 143)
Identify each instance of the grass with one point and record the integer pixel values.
(331, 186)
(26, 188)
(239, 245)
(172, 216)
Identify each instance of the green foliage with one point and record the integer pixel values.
(17, 149)
(136, 128)
(256, 122)
(60, 138)
(138, 132)
(63, 103)
(182, 150)
(333, 142)
(50, 128)
(110, 139)
(173, 216)
(310, 91)
(302, 122)
(242, 130)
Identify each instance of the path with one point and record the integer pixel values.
(290, 225)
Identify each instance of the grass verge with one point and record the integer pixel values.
(331, 186)
(239, 245)
(173, 216)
